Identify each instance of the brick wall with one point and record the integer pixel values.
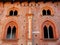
(22, 22)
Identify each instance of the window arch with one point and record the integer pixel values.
(8, 32)
(11, 31)
(49, 30)
(44, 12)
(48, 12)
(11, 13)
(15, 12)
(45, 32)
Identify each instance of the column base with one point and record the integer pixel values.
(29, 43)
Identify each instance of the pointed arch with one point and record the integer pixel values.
(11, 30)
(45, 32)
(51, 32)
(8, 32)
(51, 28)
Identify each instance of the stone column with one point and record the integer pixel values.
(30, 29)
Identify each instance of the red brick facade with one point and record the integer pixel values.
(28, 21)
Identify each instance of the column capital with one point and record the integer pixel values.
(29, 14)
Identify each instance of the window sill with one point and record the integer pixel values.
(51, 39)
(12, 16)
(47, 15)
(10, 40)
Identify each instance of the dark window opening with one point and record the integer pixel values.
(36, 1)
(35, 35)
(15, 13)
(44, 12)
(21, 44)
(13, 32)
(11, 13)
(12, 2)
(45, 32)
(48, 12)
(36, 44)
(50, 32)
(9, 32)
(29, 1)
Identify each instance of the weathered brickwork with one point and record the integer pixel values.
(21, 22)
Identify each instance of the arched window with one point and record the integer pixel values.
(15, 12)
(13, 32)
(48, 32)
(44, 12)
(45, 32)
(9, 32)
(48, 12)
(11, 13)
